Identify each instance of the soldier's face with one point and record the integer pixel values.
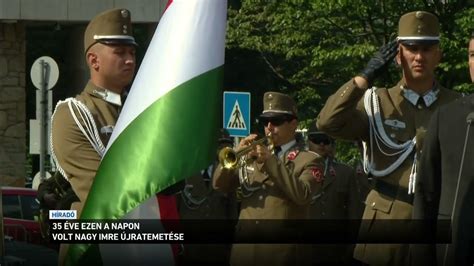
(471, 59)
(320, 144)
(115, 65)
(282, 133)
(419, 61)
(321, 149)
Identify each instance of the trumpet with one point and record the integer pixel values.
(229, 159)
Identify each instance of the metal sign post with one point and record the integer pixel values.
(44, 75)
(45, 70)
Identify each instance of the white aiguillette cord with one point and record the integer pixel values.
(377, 133)
(89, 129)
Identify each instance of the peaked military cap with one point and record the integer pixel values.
(313, 129)
(278, 104)
(109, 27)
(418, 27)
(313, 133)
(224, 136)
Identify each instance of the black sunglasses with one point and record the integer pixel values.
(320, 139)
(276, 121)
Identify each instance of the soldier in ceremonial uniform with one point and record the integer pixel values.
(277, 184)
(339, 199)
(81, 126)
(199, 201)
(445, 186)
(392, 123)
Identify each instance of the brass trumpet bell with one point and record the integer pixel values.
(230, 159)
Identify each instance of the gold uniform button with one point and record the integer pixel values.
(260, 197)
(373, 205)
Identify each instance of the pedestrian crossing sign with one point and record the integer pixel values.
(236, 113)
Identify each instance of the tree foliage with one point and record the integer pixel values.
(309, 48)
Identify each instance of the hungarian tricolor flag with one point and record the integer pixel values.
(166, 130)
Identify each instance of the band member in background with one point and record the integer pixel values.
(198, 202)
(278, 184)
(339, 199)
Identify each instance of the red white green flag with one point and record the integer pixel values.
(167, 128)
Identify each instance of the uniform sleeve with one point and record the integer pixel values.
(298, 183)
(343, 115)
(225, 180)
(73, 151)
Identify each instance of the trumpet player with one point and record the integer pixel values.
(278, 184)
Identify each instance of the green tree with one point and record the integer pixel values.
(309, 48)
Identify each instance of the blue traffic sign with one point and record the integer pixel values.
(237, 113)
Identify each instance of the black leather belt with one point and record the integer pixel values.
(393, 191)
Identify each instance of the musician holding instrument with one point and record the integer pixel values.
(339, 200)
(278, 178)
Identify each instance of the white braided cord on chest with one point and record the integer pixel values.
(89, 129)
(378, 135)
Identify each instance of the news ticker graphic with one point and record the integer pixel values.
(116, 231)
(249, 231)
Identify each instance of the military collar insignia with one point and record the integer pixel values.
(429, 98)
(108, 96)
(292, 155)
